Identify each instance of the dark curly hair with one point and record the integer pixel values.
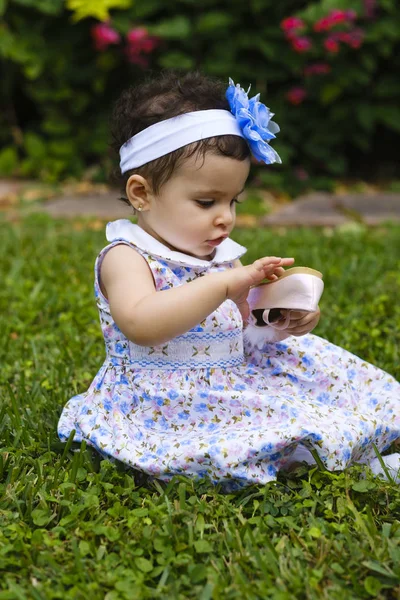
(163, 96)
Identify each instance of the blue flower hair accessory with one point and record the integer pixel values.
(254, 119)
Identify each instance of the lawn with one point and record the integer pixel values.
(76, 527)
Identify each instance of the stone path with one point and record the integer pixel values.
(323, 209)
(313, 209)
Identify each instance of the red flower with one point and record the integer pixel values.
(136, 58)
(356, 38)
(291, 24)
(103, 35)
(353, 38)
(351, 15)
(137, 35)
(369, 8)
(317, 69)
(331, 45)
(139, 43)
(338, 16)
(335, 17)
(323, 24)
(301, 174)
(301, 44)
(296, 95)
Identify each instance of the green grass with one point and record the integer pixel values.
(76, 527)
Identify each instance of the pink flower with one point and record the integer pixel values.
(342, 36)
(301, 174)
(321, 24)
(301, 44)
(103, 35)
(149, 44)
(136, 59)
(369, 7)
(338, 16)
(353, 38)
(291, 24)
(335, 17)
(355, 43)
(135, 36)
(296, 95)
(139, 43)
(331, 45)
(356, 38)
(351, 15)
(317, 69)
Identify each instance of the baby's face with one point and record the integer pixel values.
(196, 209)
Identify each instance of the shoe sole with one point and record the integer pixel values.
(294, 271)
(300, 288)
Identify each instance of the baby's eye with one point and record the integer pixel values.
(205, 203)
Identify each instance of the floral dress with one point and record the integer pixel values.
(205, 404)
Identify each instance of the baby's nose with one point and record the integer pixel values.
(225, 217)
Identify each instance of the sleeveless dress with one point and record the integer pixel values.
(205, 404)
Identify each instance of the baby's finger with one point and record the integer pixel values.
(279, 271)
(283, 262)
(296, 315)
(267, 261)
(278, 267)
(264, 267)
(304, 325)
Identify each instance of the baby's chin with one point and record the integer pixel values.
(203, 255)
(200, 253)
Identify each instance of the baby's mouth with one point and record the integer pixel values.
(217, 241)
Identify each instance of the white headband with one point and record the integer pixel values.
(169, 135)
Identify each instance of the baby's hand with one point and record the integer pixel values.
(301, 322)
(241, 279)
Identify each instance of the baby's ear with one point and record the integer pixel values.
(139, 192)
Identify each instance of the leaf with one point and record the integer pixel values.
(372, 585)
(8, 160)
(176, 60)
(176, 28)
(41, 516)
(363, 486)
(111, 533)
(197, 573)
(200, 524)
(143, 564)
(202, 546)
(34, 146)
(378, 568)
(84, 548)
(330, 92)
(365, 116)
(49, 7)
(389, 115)
(315, 532)
(214, 21)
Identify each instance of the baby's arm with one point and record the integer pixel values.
(150, 318)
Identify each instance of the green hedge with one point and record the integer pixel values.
(334, 90)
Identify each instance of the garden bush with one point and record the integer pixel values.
(327, 69)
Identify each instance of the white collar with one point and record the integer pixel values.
(226, 252)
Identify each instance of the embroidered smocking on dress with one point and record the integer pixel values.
(207, 405)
